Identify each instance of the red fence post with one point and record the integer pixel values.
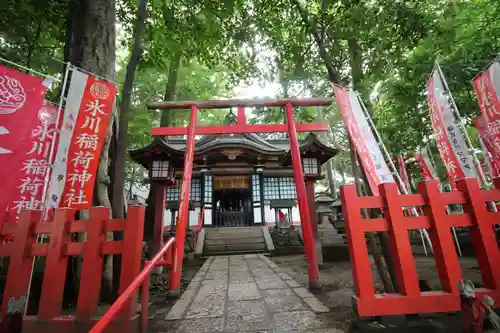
(358, 252)
(90, 280)
(21, 262)
(447, 262)
(482, 234)
(180, 233)
(56, 265)
(132, 256)
(404, 263)
(305, 219)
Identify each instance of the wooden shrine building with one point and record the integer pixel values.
(236, 176)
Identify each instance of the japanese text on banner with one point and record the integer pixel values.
(21, 101)
(86, 144)
(487, 87)
(450, 161)
(35, 167)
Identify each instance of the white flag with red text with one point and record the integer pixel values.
(89, 105)
(363, 140)
(450, 142)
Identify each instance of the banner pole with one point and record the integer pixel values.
(482, 178)
(53, 143)
(402, 186)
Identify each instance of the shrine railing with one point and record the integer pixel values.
(410, 299)
(141, 279)
(61, 231)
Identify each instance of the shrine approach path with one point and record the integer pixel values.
(247, 293)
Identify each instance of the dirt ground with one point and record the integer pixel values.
(337, 282)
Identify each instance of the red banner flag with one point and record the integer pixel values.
(88, 111)
(488, 145)
(21, 100)
(403, 173)
(425, 165)
(487, 89)
(361, 135)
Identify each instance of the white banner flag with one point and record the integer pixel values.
(455, 138)
(362, 137)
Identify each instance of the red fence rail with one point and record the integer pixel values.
(411, 300)
(141, 279)
(60, 246)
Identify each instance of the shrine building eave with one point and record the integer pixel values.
(158, 146)
(311, 146)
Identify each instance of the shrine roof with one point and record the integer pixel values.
(175, 148)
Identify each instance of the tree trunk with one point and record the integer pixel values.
(93, 48)
(166, 120)
(333, 74)
(33, 44)
(121, 149)
(170, 89)
(372, 243)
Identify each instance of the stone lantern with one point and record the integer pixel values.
(327, 232)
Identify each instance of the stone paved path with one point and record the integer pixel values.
(246, 293)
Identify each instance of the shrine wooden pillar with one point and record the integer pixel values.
(305, 220)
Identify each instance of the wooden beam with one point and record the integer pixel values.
(223, 104)
(238, 129)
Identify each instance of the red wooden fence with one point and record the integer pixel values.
(57, 251)
(411, 300)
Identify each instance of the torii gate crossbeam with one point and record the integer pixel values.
(239, 128)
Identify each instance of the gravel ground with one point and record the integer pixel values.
(337, 282)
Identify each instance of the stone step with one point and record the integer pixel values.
(239, 240)
(238, 247)
(235, 247)
(226, 253)
(230, 230)
(215, 234)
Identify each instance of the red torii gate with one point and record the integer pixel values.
(239, 128)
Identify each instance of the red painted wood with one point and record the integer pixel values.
(404, 263)
(130, 291)
(131, 258)
(91, 275)
(39, 249)
(238, 129)
(183, 219)
(482, 234)
(447, 262)
(358, 252)
(55, 266)
(230, 103)
(476, 216)
(242, 118)
(112, 247)
(78, 226)
(114, 225)
(19, 273)
(300, 186)
(9, 228)
(43, 228)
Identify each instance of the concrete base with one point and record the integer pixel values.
(319, 251)
(174, 293)
(198, 251)
(315, 285)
